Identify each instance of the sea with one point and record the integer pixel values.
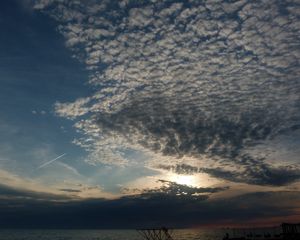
(177, 234)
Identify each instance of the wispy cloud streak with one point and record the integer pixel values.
(51, 161)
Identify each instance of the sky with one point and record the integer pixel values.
(126, 114)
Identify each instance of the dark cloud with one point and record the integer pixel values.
(70, 190)
(19, 193)
(256, 172)
(186, 130)
(268, 175)
(262, 175)
(152, 211)
(188, 133)
(182, 169)
(174, 189)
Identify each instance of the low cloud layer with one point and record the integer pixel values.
(186, 79)
(11, 193)
(150, 211)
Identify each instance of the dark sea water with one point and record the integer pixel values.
(186, 234)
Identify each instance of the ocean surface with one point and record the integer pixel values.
(186, 234)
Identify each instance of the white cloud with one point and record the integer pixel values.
(207, 79)
(72, 110)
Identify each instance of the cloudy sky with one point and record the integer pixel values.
(151, 112)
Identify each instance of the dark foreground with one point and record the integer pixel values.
(284, 232)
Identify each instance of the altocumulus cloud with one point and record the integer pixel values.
(186, 79)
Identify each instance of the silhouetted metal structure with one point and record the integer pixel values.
(155, 233)
(291, 231)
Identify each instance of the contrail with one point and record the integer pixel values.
(51, 161)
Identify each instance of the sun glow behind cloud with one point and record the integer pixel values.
(185, 180)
